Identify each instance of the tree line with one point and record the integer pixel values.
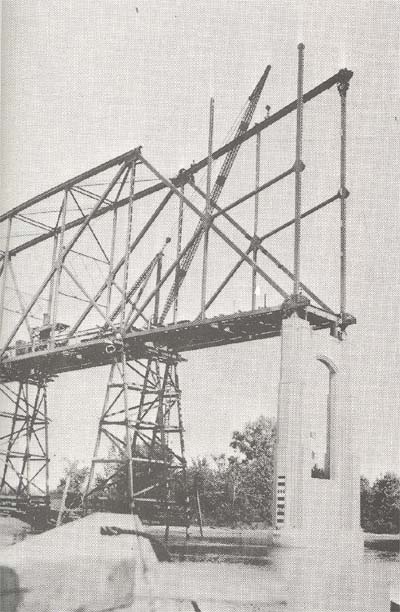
(236, 489)
(380, 504)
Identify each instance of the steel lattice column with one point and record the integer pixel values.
(141, 422)
(24, 450)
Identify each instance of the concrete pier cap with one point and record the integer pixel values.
(317, 472)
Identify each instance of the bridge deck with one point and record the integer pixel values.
(98, 348)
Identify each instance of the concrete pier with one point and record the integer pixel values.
(316, 511)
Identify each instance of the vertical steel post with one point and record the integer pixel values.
(99, 430)
(13, 435)
(110, 276)
(128, 440)
(31, 430)
(51, 284)
(182, 445)
(127, 244)
(178, 251)
(5, 267)
(298, 169)
(161, 422)
(141, 405)
(27, 463)
(157, 295)
(46, 443)
(19, 296)
(342, 88)
(208, 210)
(255, 227)
(56, 288)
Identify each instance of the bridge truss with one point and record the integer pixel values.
(114, 256)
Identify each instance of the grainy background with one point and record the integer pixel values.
(83, 81)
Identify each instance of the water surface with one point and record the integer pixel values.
(296, 580)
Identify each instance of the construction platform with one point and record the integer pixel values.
(99, 347)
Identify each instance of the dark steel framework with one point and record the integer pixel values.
(25, 454)
(126, 318)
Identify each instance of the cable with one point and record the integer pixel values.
(20, 313)
(25, 293)
(117, 183)
(23, 235)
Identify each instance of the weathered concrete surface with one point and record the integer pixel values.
(74, 568)
(313, 511)
(12, 530)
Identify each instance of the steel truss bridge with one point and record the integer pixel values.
(97, 271)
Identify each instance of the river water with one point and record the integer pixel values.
(316, 581)
(295, 581)
(292, 580)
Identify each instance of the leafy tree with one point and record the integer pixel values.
(236, 489)
(78, 476)
(365, 504)
(257, 438)
(239, 488)
(208, 477)
(255, 451)
(385, 504)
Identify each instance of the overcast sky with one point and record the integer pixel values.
(83, 81)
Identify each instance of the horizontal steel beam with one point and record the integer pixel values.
(343, 75)
(68, 184)
(305, 214)
(249, 195)
(184, 176)
(166, 341)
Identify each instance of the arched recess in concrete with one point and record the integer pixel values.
(332, 367)
(315, 510)
(321, 434)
